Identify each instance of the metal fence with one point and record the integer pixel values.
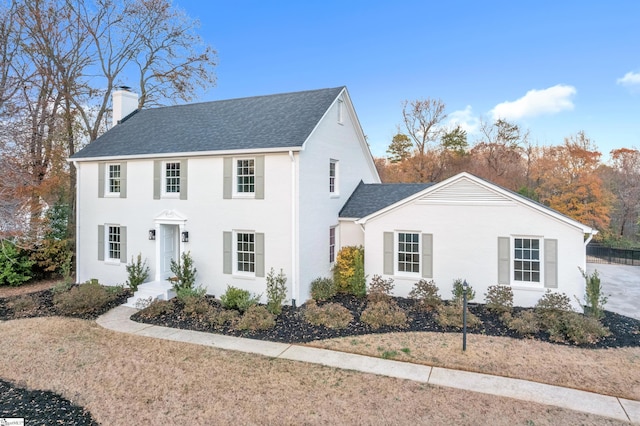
(597, 253)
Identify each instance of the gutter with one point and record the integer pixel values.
(591, 234)
(295, 288)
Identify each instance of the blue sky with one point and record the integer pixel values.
(553, 67)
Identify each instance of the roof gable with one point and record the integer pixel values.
(282, 121)
(465, 188)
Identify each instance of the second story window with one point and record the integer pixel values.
(172, 178)
(333, 177)
(113, 179)
(245, 176)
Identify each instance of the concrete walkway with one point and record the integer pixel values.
(118, 319)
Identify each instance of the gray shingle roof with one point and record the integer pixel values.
(262, 122)
(370, 197)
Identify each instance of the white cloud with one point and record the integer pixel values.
(629, 79)
(537, 102)
(465, 119)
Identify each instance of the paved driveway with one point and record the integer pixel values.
(621, 283)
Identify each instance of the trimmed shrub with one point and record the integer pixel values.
(380, 289)
(451, 316)
(322, 289)
(426, 294)
(576, 328)
(594, 299)
(184, 272)
(239, 299)
(185, 294)
(83, 299)
(458, 291)
(276, 291)
(384, 313)
(348, 272)
(550, 307)
(330, 315)
(15, 265)
(137, 271)
(256, 318)
(23, 305)
(156, 308)
(524, 323)
(196, 306)
(221, 317)
(499, 298)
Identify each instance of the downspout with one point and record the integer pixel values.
(295, 290)
(593, 232)
(78, 180)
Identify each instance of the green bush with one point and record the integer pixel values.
(184, 272)
(451, 316)
(276, 291)
(380, 289)
(330, 315)
(458, 291)
(524, 323)
(384, 313)
(83, 299)
(499, 298)
(594, 299)
(550, 307)
(15, 265)
(137, 271)
(186, 293)
(322, 289)
(239, 299)
(425, 293)
(256, 318)
(348, 272)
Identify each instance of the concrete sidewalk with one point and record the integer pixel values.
(118, 319)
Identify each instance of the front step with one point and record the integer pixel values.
(161, 290)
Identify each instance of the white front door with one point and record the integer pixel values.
(169, 249)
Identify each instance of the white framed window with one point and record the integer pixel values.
(245, 177)
(332, 244)
(408, 252)
(171, 178)
(340, 111)
(114, 176)
(333, 177)
(114, 243)
(527, 265)
(245, 253)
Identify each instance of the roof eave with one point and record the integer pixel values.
(187, 154)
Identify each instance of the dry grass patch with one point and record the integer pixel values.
(123, 380)
(27, 288)
(607, 371)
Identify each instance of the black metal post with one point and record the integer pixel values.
(464, 315)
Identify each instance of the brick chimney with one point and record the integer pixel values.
(124, 103)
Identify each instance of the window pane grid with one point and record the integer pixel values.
(332, 176)
(245, 175)
(114, 242)
(526, 264)
(408, 252)
(246, 252)
(114, 178)
(332, 244)
(172, 176)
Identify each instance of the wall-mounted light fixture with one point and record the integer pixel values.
(185, 236)
(152, 234)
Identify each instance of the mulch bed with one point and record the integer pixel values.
(39, 407)
(291, 328)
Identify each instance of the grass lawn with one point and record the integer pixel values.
(123, 380)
